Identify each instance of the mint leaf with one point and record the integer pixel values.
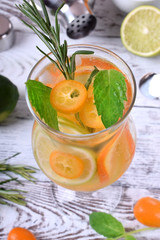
(109, 95)
(129, 237)
(106, 225)
(39, 96)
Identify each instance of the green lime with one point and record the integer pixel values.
(140, 31)
(8, 97)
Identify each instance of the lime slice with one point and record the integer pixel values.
(140, 31)
(66, 126)
(43, 146)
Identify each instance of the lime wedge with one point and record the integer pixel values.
(43, 146)
(140, 31)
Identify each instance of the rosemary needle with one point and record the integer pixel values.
(14, 195)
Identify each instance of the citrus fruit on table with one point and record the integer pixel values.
(19, 233)
(147, 211)
(140, 31)
(8, 97)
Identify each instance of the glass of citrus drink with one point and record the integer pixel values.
(83, 155)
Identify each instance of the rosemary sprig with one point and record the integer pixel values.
(22, 170)
(14, 195)
(50, 35)
(92, 75)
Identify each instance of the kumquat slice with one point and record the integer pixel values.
(89, 115)
(66, 165)
(68, 96)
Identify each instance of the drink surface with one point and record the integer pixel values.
(78, 163)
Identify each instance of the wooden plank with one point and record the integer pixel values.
(52, 212)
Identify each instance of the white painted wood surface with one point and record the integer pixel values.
(53, 212)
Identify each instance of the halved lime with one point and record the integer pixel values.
(140, 31)
(43, 146)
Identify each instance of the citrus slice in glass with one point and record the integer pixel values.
(68, 96)
(44, 145)
(89, 115)
(88, 159)
(140, 31)
(66, 164)
(115, 157)
(70, 127)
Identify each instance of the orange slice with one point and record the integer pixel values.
(102, 163)
(112, 151)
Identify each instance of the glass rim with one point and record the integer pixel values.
(81, 136)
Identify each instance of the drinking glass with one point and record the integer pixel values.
(106, 153)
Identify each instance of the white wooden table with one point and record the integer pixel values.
(51, 213)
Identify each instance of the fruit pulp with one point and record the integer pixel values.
(105, 155)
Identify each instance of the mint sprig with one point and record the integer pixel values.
(108, 226)
(109, 95)
(39, 96)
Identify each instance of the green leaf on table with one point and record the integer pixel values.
(39, 96)
(129, 237)
(106, 225)
(109, 95)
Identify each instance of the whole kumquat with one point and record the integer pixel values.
(20, 234)
(147, 211)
